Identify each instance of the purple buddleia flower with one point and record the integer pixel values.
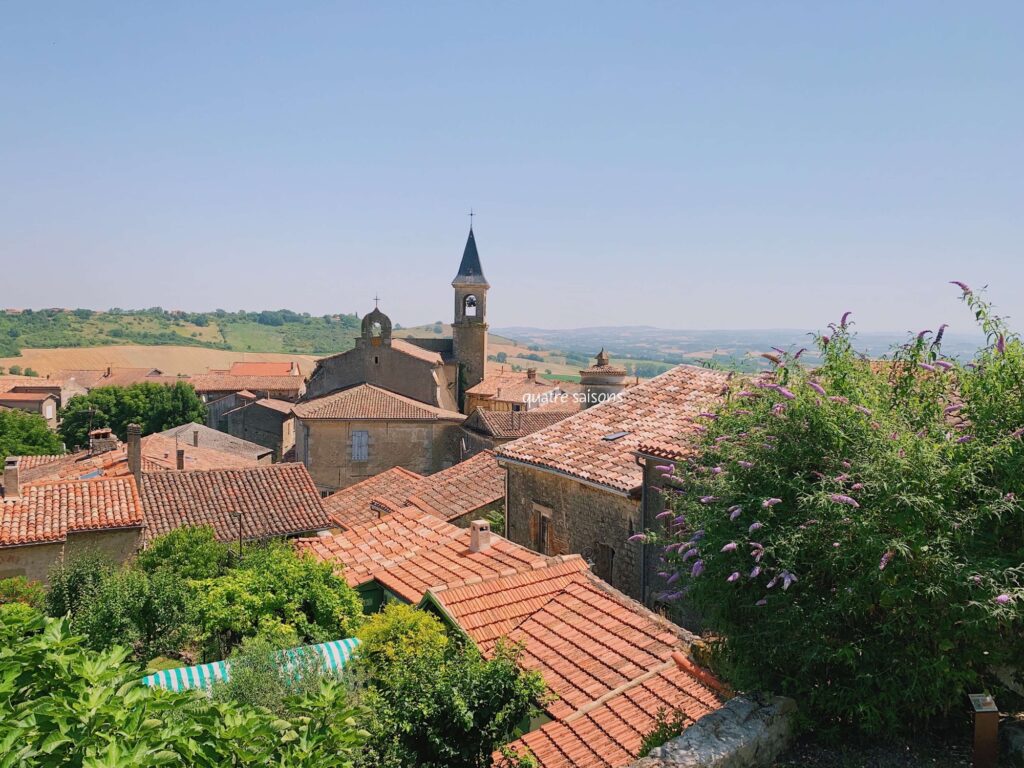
(977, 580)
(922, 334)
(965, 439)
(698, 535)
(708, 499)
(841, 478)
(1003, 599)
(663, 515)
(730, 547)
(680, 520)
(785, 393)
(846, 315)
(637, 537)
(745, 393)
(707, 415)
(846, 464)
(664, 574)
(772, 583)
(787, 579)
(734, 576)
(743, 412)
(778, 409)
(816, 387)
(1010, 497)
(690, 553)
(799, 352)
(1017, 432)
(665, 468)
(698, 569)
(857, 487)
(755, 572)
(962, 286)
(894, 436)
(824, 341)
(673, 578)
(761, 603)
(1001, 344)
(745, 464)
(862, 409)
(926, 367)
(842, 498)
(943, 364)
(716, 470)
(699, 428)
(835, 543)
(735, 512)
(839, 399)
(722, 438)
(769, 503)
(755, 526)
(886, 558)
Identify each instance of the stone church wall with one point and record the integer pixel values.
(381, 366)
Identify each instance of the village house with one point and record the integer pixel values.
(266, 421)
(41, 403)
(62, 389)
(577, 486)
(507, 390)
(469, 490)
(609, 664)
(486, 429)
(201, 436)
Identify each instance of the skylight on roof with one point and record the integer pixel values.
(614, 436)
(91, 475)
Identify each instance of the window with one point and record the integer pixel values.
(540, 529)
(360, 445)
(604, 562)
(470, 306)
(376, 360)
(324, 494)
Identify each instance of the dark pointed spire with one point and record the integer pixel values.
(470, 271)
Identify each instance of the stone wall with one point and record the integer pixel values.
(34, 562)
(263, 426)
(747, 732)
(383, 367)
(325, 447)
(584, 520)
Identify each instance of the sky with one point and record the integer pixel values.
(676, 164)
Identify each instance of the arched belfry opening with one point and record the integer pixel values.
(469, 306)
(377, 328)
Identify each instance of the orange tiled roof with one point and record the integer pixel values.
(609, 733)
(262, 369)
(226, 382)
(511, 425)
(351, 506)
(658, 409)
(462, 488)
(47, 513)
(25, 397)
(413, 350)
(274, 499)
(411, 550)
(31, 462)
(123, 377)
(492, 609)
(365, 401)
(84, 378)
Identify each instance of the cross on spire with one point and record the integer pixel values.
(471, 215)
(376, 302)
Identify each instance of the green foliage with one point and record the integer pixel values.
(436, 703)
(855, 534)
(273, 585)
(667, 725)
(188, 553)
(73, 579)
(154, 407)
(26, 434)
(18, 589)
(259, 679)
(62, 704)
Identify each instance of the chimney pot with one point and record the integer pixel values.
(135, 451)
(12, 478)
(195, 438)
(479, 536)
(181, 458)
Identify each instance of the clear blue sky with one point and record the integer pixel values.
(681, 164)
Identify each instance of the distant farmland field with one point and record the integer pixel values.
(172, 360)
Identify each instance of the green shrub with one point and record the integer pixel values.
(260, 679)
(189, 553)
(855, 534)
(62, 704)
(435, 703)
(18, 589)
(26, 434)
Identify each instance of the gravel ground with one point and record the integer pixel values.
(920, 753)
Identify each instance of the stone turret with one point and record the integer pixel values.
(602, 381)
(469, 329)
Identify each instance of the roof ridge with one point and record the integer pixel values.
(598, 702)
(531, 567)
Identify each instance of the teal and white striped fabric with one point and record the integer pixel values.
(333, 657)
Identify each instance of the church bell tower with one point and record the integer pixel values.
(469, 330)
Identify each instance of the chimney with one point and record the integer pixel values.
(135, 451)
(12, 478)
(195, 438)
(531, 373)
(181, 459)
(479, 536)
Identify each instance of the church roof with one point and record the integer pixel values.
(470, 271)
(365, 401)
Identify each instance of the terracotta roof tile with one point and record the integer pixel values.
(658, 409)
(25, 397)
(463, 488)
(351, 506)
(48, 512)
(506, 425)
(214, 439)
(226, 382)
(408, 348)
(275, 500)
(263, 368)
(365, 401)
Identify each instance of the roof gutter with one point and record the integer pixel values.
(599, 486)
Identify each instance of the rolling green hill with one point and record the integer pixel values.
(266, 331)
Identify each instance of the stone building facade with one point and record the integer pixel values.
(266, 422)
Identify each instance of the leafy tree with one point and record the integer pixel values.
(26, 434)
(501, 357)
(274, 586)
(155, 407)
(435, 702)
(16, 370)
(62, 704)
(74, 579)
(260, 679)
(854, 534)
(188, 553)
(31, 372)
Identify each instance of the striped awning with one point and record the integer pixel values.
(333, 656)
